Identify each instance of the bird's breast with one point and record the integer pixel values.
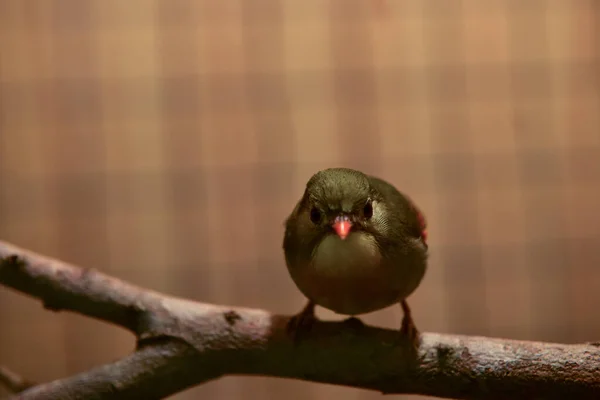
(356, 256)
(348, 276)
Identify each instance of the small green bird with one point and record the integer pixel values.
(354, 244)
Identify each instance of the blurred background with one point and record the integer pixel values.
(166, 142)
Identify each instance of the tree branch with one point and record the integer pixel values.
(183, 343)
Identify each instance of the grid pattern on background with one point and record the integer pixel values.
(165, 143)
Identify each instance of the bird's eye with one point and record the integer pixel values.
(368, 210)
(315, 215)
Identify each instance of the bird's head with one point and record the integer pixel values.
(339, 201)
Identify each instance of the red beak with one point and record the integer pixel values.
(342, 227)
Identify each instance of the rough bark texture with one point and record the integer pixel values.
(183, 343)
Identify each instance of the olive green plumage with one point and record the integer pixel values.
(381, 262)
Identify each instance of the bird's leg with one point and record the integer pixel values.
(302, 322)
(409, 329)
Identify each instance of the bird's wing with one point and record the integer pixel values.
(414, 218)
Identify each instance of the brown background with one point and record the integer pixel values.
(166, 142)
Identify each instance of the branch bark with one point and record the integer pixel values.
(182, 343)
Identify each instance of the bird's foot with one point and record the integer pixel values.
(408, 330)
(300, 324)
(410, 333)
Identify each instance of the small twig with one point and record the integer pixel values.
(13, 381)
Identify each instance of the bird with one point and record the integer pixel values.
(354, 244)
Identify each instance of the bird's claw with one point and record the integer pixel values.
(300, 325)
(408, 330)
